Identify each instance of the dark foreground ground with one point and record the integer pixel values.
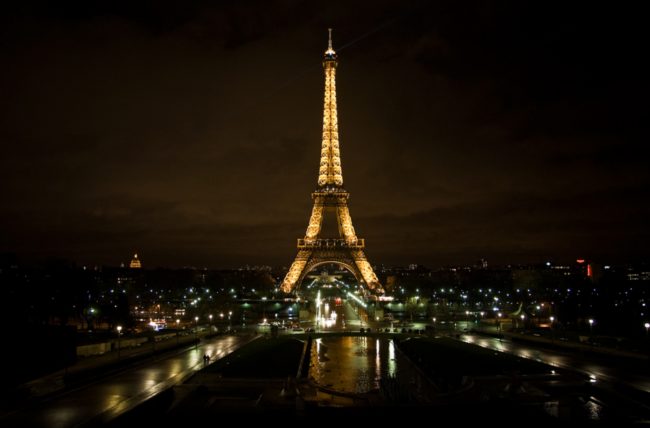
(267, 381)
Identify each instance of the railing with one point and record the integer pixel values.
(330, 243)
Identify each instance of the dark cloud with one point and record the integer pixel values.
(190, 131)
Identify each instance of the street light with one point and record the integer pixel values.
(196, 332)
(153, 336)
(552, 319)
(177, 330)
(229, 320)
(647, 326)
(119, 333)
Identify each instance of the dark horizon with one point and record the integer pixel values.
(191, 133)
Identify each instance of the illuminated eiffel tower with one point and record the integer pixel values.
(331, 198)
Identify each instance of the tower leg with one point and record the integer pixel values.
(366, 270)
(296, 271)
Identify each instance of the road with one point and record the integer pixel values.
(598, 369)
(109, 397)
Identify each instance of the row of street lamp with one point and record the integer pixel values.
(221, 315)
(178, 322)
(591, 322)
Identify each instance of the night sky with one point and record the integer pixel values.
(190, 131)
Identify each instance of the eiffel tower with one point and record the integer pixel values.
(331, 198)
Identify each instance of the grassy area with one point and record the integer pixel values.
(443, 355)
(262, 358)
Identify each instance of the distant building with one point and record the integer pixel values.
(135, 262)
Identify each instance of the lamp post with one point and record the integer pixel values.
(119, 333)
(591, 326)
(178, 322)
(196, 332)
(210, 316)
(522, 321)
(153, 337)
(552, 319)
(229, 320)
(647, 326)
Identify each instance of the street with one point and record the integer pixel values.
(596, 368)
(109, 397)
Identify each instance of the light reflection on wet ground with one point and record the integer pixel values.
(353, 364)
(80, 405)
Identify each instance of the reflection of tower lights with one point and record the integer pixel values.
(318, 302)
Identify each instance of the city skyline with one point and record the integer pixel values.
(191, 134)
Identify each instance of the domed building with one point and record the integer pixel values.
(135, 262)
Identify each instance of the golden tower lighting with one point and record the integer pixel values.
(331, 198)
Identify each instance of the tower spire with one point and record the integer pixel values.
(330, 172)
(329, 43)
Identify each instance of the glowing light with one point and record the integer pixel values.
(581, 261)
(135, 262)
(315, 221)
(348, 250)
(330, 171)
(356, 299)
(346, 224)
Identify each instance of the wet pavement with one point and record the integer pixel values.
(353, 364)
(109, 397)
(597, 368)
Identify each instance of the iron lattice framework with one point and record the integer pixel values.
(330, 197)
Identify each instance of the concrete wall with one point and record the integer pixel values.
(93, 349)
(102, 348)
